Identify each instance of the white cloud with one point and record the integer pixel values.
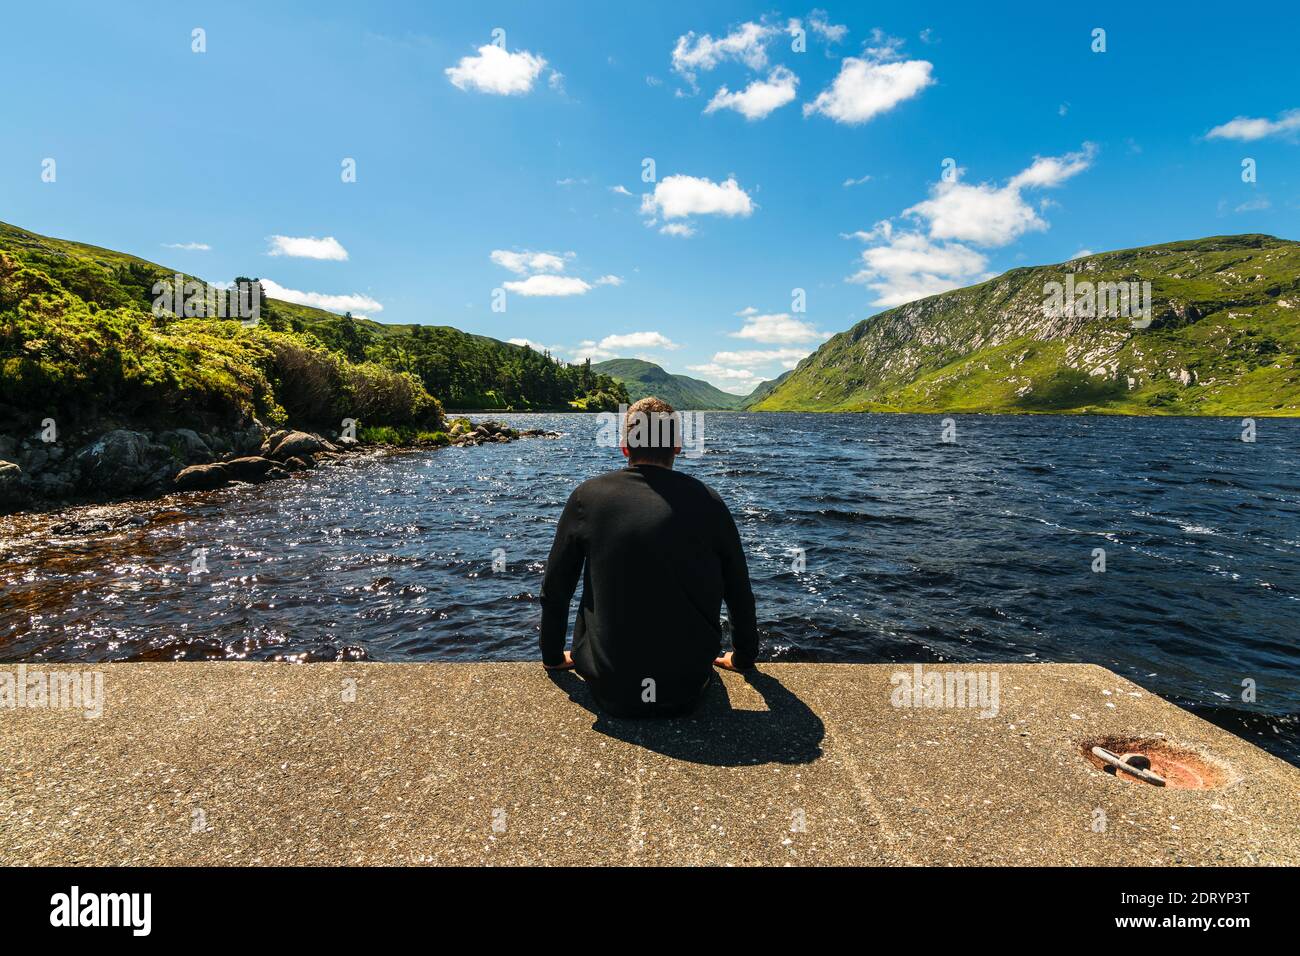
(989, 215)
(868, 87)
(747, 310)
(497, 71)
(535, 346)
(611, 346)
(188, 246)
(747, 44)
(1254, 205)
(778, 328)
(620, 190)
(548, 285)
(909, 266)
(639, 340)
(521, 262)
(676, 197)
(354, 303)
(682, 230)
(786, 358)
(758, 99)
(610, 280)
(1081, 254)
(1247, 129)
(307, 247)
(856, 182)
(832, 32)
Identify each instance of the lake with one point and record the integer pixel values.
(869, 539)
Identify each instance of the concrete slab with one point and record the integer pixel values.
(237, 764)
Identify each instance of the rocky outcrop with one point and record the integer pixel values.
(125, 462)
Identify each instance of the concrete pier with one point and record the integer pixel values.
(234, 763)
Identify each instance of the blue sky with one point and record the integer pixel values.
(774, 169)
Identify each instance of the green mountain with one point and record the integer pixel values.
(679, 391)
(765, 389)
(1223, 338)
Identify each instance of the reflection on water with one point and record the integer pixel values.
(914, 549)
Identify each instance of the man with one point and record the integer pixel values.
(658, 552)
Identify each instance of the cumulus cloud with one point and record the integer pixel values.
(786, 358)
(990, 215)
(610, 280)
(188, 246)
(522, 262)
(1247, 129)
(307, 247)
(831, 32)
(932, 256)
(908, 266)
(548, 285)
(535, 346)
(676, 197)
(747, 44)
(611, 346)
(682, 230)
(871, 85)
(758, 99)
(355, 303)
(497, 71)
(778, 328)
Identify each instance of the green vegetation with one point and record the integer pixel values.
(79, 342)
(1224, 339)
(680, 391)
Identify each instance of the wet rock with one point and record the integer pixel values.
(295, 445)
(298, 464)
(187, 445)
(202, 477)
(252, 468)
(12, 491)
(120, 462)
(347, 443)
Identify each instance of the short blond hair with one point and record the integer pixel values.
(651, 431)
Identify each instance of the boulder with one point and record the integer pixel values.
(295, 445)
(12, 492)
(201, 477)
(298, 464)
(120, 462)
(187, 445)
(347, 443)
(251, 468)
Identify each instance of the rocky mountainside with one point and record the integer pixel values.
(1221, 337)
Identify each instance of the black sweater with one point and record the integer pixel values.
(661, 553)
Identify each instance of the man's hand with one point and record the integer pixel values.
(566, 666)
(726, 664)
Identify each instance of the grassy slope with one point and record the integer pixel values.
(1225, 340)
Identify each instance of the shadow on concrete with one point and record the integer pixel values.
(714, 733)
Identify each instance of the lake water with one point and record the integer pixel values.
(913, 550)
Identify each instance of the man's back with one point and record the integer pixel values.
(661, 553)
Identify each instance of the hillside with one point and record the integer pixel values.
(461, 369)
(680, 391)
(1223, 339)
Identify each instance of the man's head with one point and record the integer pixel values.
(651, 433)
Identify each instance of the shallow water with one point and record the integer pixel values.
(981, 550)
